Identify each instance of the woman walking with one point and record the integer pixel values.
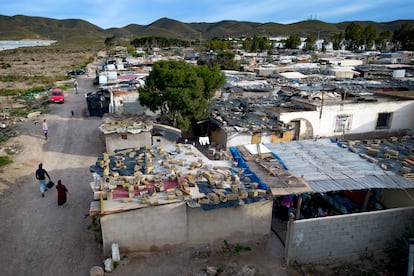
(61, 193)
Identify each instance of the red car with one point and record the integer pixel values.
(57, 96)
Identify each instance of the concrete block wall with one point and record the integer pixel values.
(145, 229)
(114, 141)
(319, 239)
(155, 227)
(235, 224)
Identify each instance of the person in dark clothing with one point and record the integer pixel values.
(61, 192)
(41, 177)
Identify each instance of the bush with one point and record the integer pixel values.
(5, 160)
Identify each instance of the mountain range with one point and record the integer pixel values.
(80, 31)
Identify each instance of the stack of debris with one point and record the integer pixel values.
(394, 153)
(127, 125)
(148, 176)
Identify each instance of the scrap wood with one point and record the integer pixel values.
(409, 161)
(411, 157)
(409, 176)
(117, 206)
(269, 170)
(245, 153)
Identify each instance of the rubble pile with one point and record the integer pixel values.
(148, 176)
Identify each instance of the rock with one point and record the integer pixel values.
(211, 270)
(96, 271)
(115, 253)
(248, 270)
(34, 114)
(109, 265)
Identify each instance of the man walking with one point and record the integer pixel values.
(41, 177)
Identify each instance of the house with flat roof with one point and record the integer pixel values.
(322, 111)
(239, 121)
(162, 196)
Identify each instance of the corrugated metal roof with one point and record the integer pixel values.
(328, 167)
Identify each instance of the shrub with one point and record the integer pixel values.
(5, 160)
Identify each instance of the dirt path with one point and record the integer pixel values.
(37, 236)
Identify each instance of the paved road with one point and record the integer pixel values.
(36, 236)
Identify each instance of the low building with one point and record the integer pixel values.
(164, 196)
(333, 113)
(238, 122)
(366, 205)
(135, 132)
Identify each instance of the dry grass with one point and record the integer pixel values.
(24, 69)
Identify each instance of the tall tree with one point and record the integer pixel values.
(404, 38)
(310, 42)
(353, 36)
(369, 35)
(381, 42)
(293, 42)
(216, 44)
(337, 40)
(180, 91)
(256, 44)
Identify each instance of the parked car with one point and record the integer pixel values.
(57, 96)
(77, 72)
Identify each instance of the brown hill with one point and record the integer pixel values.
(81, 31)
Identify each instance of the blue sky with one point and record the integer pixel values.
(119, 13)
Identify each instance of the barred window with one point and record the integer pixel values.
(343, 123)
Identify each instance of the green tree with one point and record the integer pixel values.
(180, 91)
(383, 39)
(257, 44)
(157, 41)
(110, 41)
(216, 44)
(310, 42)
(223, 59)
(404, 38)
(369, 35)
(293, 42)
(354, 36)
(337, 40)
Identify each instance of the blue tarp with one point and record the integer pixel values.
(241, 163)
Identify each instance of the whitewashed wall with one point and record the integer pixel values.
(364, 117)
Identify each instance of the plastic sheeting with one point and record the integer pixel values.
(241, 163)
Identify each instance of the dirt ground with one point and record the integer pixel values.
(40, 238)
(32, 64)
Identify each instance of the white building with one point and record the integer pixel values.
(333, 117)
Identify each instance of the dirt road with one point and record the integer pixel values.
(37, 236)
(40, 238)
